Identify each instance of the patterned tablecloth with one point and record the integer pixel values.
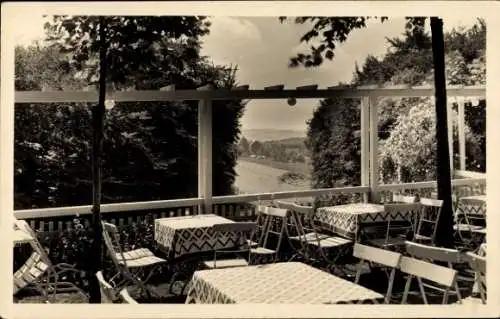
(290, 282)
(472, 209)
(192, 234)
(347, 220)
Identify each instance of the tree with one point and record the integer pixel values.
(409, 153)
(139, 48)
(410, 62)
(149, 148)
(330, 31)
(334, 145)
(243, 146)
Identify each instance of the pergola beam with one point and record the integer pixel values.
(171, 94)
(369, 119)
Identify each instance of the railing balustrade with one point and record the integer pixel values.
(50, 221)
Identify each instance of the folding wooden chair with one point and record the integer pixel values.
(126, 298)
(310, 238)
(131, 265)
(396, 232)
(428, 220)
(471, 223)
(242, 230)
(39, 272)
(108, 293)
(452, 257)
(273, 223)
(439, 275)
(478, 265)
(383, 257)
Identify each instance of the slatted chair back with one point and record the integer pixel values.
(428, 220)
(40, 272)
(35, 244)
(126, 298)
(383, 257)
(108, 294)
(112, 241)
(478, 265)
(241, 229)
(436, 274)
(404, 209)
(275, 221)
(299, 226)
(473, 211)
(37, 264)
(399, 198)
(433, 254)
(225, 232)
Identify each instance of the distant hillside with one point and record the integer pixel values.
(292, 142)
(272, 135)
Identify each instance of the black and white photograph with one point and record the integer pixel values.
(234, 158)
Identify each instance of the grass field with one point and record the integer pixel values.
(255, 176)
(302, 168)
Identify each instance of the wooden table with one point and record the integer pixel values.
(289, 282)
(192, 234)
(348, 220)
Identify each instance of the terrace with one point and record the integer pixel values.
(137, 219)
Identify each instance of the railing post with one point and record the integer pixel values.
(365, 142)
(461, 134)
(205, 151)
(374, 178)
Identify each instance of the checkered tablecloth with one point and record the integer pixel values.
(192, 234)
(347, 220)
(290, 282)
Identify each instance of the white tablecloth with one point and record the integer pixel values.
(290, 282)
(192, 234)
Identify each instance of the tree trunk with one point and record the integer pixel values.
(97, 130)
(444, 235)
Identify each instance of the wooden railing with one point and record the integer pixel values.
(237, 207)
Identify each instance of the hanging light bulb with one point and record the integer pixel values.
(109, 104)
(291, 101)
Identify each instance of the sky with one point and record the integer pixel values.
(261, 48)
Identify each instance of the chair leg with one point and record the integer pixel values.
(422, 290)
(407, 289)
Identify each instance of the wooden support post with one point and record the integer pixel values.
(449, 120)
(374, 178)
(98, 112)
(445, 224)
(365, 143)
(205, 152)
(461, 134)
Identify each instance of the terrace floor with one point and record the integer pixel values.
(375, 280)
